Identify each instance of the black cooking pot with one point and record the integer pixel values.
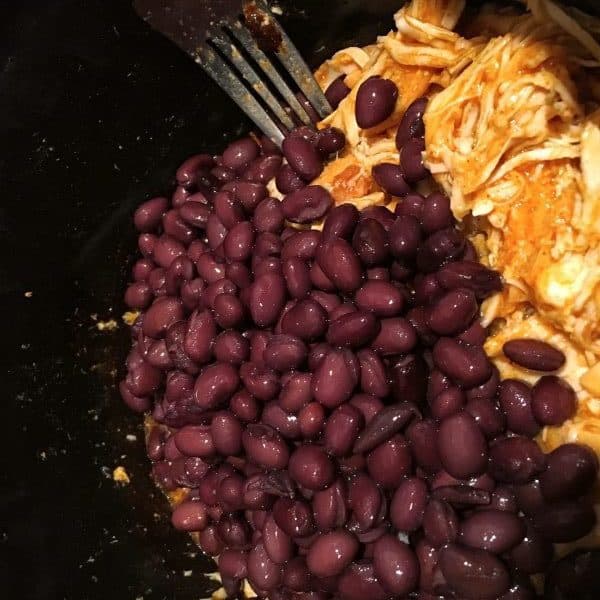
(96, 111)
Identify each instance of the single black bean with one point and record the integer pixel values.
(453, 312)
(553, 400)
(380, 297)
(514, 397)
(411, 160)
(337, 91)
(375, 101)
(330, 140)
(440, 523)
(496, 531)
(487, 415)
(340, 264)
(516, 459)
(335, 378)
(303, 157)
(565, 521)
(287, 180)
(534, 354)
(467, 365)
(390, 178)
(411, 126)
(353, 330)
(408, 378)
(148, 215)
(483, 282)
(307, 204)
(440, 247)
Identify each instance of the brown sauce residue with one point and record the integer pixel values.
(262, 27)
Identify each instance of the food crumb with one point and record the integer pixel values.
(120, 475)
(28, 294)
(187, 573)
(130, 316)
(109, 325)
(276, 10)
(131, 438)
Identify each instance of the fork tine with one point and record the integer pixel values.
(250, 75)
(249, 43)
(292, 60)
(216, 67)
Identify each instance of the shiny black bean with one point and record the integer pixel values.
(503, 498)
(268, 216)
(138, 295)
(161, 315)
(411, 205)
(335, 378)
(307, 320)
(226, 433)
(330, 140)
(265, 447)
(340, 264)
(311, 468)
(486, 390)
(390, 178)
(411, 126)
(571, 472)
(496, 531)
(565, 521)
(297, 277)
(373, 379)
(228, 310)
(285, 352)
(296, 392)
(390, 462)
(439, 248)
(303, 157)
(514, 397)
(516, 459)
(482, 281)
(353, 330)
(375, 101)
(263, 573)
(177, 228)
(342, 429)
(231, 347)
(385, 424)
(195, 440)
(180, 271)
(263, 169)
(187, 173)
(142, 269)
(380, 297)
(440, 523)
(233, 564)
(287, 180)
(209, 269)
(408, 504)
(247, 192)
(411, 160)
(311, 419)
(488, 416)
(422, 436)
(215, 385)
(370, 242)
(474, 574)
(436, 213)
(461, 495)
(534, 354)
(267, 298)
(467, 365)
(364, 499)
(341, 221)
(329, 506)
(262, 382)
(337, 91)
(146, 244)
(574, 576)
(553, 400)
(331, 553)
(462, 446)
(166, 250)
(453, 312)
(239, 153)
(447, 402)
(405, 237)
(396, 336)
(136, 403)
(200, 336)
(215, 231)
(306, 204)
(319, 280)
(190, 516)
(533, 554)
(278, 545)
(239, 241)
(294, 517)
(148, 215)
(301, 244)
(380, 213)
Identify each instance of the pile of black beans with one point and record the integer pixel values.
(325, 395)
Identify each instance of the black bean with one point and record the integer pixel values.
(453, 312)
(439, 248)
(411, 160)
(565, 521)
(330, 140)
(307, 204)
(303, 157)
(553, 400)
(467, 365)
(390, 178)
(534, 354)
(337, 91)
(375, 101)
(515, 400)
(516, 459)
(411, 125)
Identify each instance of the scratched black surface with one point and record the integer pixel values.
(95, 113)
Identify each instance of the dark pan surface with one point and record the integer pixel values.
(96, 111)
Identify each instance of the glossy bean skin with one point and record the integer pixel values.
(379, 297)
(439, 248)
(462, 446)
(533, 554)
(390, 462)
(453, 312)
(353, 330)
(471, 275)
(570, 472)
(370, 242)
(396, 336)
(514, 397)
(474, 574)
(488, 416)
(265, 447)
(440, 523)
(335, 378)
(231, 347)
(496, 531)
(341, 222)
(534, 354)
(375, 101)
(262, 571)
(226, 432)
(267, 298)
(276, 542)
(575, 576)
(331, 553)
(306, 204)
(467, 365)
(296, 392)
(516, 459)
(359, 581)
(390, 178)
(330, 140)
(199, 337)
(396, 565)
(342, 429)
(337, 91)
(303, 157)
(407, 378)
(373, 378)
(340, 264)
(261, 381)
(311, 419)
(411, 160)
(294, 517)
(553, 400)
(285, 352)
(306, 320)
(411, 126)
(311, 468)
(190, 516)
(422, 436)
(408, 504)
(215, 385)
(163, 313)
(330, 506)
(364, 499)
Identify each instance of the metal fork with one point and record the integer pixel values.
(212, 32)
